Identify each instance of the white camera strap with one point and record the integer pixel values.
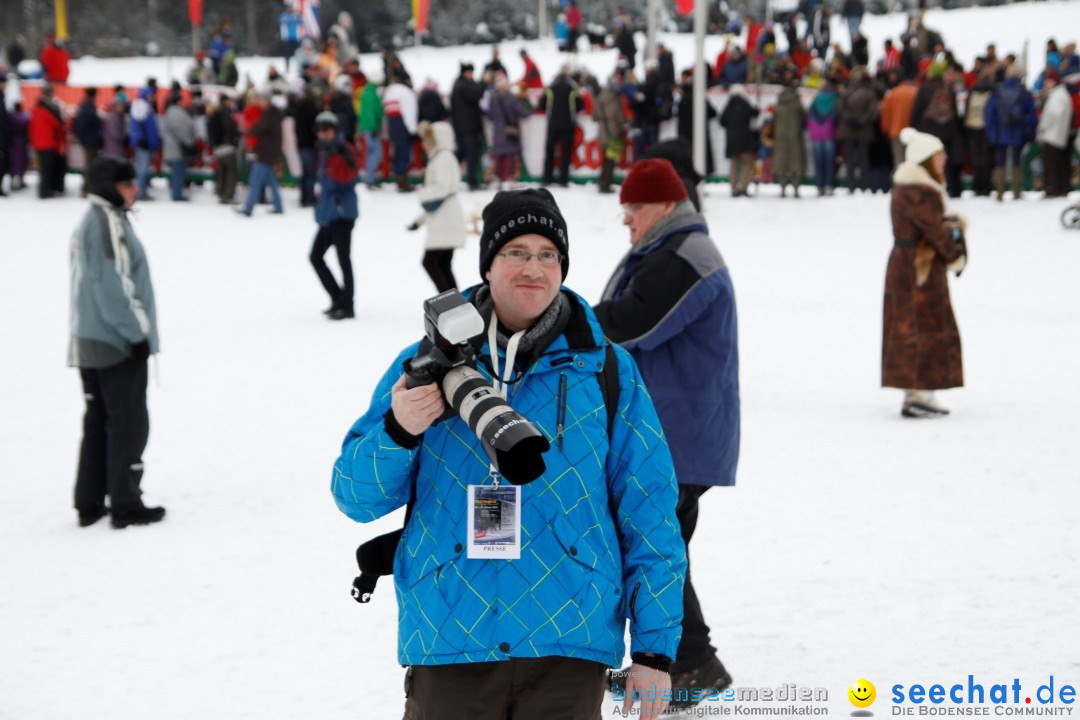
(508, 371)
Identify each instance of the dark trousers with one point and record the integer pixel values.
(227, 176)
(857, 155)
(469, 153)
(954, 182)
(115, 429)
(91, 156)
(981, 161)
(339, 235)
(308, 159)
(517, 689)
(47, 163)
(1057, 170)
(437, 264)
(564, 138)
(695, 648)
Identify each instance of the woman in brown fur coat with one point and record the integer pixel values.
(921, 346)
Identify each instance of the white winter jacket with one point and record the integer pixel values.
(446, 223)
(1056, 118)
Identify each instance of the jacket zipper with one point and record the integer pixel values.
(560, 418)
(633, 601)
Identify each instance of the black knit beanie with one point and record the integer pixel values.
(104, 173)
(512, 213)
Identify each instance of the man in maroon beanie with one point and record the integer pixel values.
(670, 302)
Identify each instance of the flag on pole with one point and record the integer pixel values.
(309, 12)
(420, 15)
(685, 7)
(61, 19)
(195, 12)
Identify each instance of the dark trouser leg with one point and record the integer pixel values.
(91, 156)
(695, 648)
(127, 427)
(566, 142)
(516, 689)
(437, 265)
(90, 483)
(307, 178)
(59, 173)
(954, 182)
(46, 170)
(549, 155)
(323, 241)
(341, 237)
(471, 151)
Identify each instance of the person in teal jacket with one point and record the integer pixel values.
(599, 540)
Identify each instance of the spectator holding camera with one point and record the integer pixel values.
(597, 541)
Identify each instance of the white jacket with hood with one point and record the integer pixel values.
(443, 215)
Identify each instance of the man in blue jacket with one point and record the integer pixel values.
(671, 303)
(113, 332)
(531, 636)
(335, 211)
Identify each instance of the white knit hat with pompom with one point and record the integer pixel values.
(919, 145)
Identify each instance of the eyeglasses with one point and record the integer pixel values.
(547, 258)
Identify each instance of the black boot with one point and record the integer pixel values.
(607, 172)
(690, 687)
(91, 516)
(139, 516)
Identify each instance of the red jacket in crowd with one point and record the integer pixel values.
(54, 62)
(532, 77)
(573, 17)
(46, 131)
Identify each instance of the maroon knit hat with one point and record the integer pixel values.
(652, 181)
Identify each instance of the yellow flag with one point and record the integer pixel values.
(61, 19)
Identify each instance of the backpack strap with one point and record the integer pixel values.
(609, 383)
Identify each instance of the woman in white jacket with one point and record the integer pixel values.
(442, 212)
(1053, 137)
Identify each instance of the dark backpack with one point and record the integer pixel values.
(942, 110)
(375, 558)
(1012, 110)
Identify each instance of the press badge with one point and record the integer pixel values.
(494, 522)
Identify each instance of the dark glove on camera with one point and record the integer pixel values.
(140, 351)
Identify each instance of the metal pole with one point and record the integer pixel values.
(542, 25)
(700, 10)
(651, 21)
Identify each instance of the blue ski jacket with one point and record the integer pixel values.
(600, 541)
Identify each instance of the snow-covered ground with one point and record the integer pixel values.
(855, 545)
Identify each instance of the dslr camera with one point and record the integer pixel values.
(454, 330)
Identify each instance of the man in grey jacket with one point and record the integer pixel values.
(178, 147)
(113, 333)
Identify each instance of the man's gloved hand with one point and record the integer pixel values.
(140, 351)
(413, 226)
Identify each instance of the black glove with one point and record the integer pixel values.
(412, 226)
(140, 351)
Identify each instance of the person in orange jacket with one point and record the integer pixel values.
(896, 113)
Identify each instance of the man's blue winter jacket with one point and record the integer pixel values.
(600, 542)
(672, 305)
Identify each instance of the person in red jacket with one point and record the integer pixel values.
(54, 61)
(573, 25)
(531, 78)
(46, 134)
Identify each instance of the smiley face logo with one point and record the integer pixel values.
(862, 693)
